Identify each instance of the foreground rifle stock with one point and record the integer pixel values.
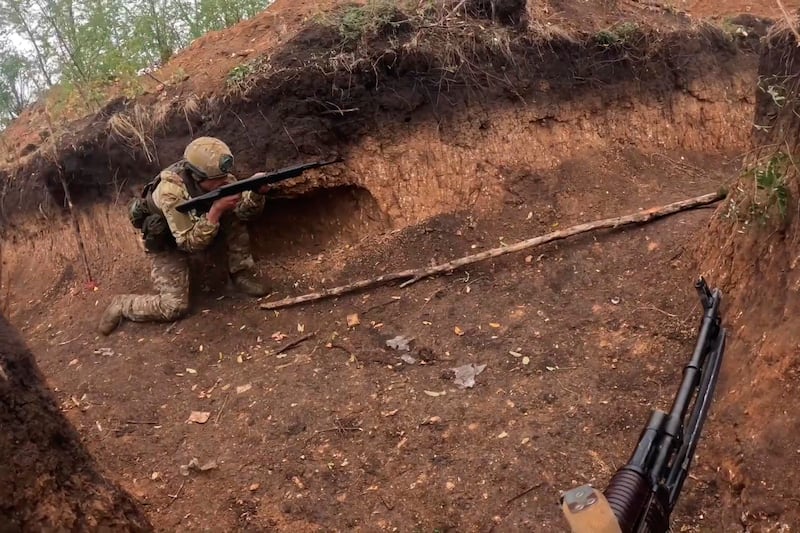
(642, 494)
(203, 202)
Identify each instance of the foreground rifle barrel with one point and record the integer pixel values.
(642, 494)
(203, 202)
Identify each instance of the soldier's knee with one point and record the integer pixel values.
(174, 308)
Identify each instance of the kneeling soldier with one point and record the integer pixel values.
(169, 236)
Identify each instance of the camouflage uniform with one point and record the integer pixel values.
(192, 233)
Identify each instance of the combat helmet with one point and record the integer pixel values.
(208, 158)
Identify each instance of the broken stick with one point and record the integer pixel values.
(415, 274)
(292, 344)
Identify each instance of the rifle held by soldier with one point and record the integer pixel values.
(203, 202)
(642, 494)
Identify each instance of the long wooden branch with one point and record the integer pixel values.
(415, 274)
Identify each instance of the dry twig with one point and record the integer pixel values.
(415, 274)
(174, 497)
(789, 21)
(294, 343)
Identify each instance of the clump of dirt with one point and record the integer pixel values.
(47, 479)
(753, 249)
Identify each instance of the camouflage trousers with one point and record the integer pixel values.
(170, 275)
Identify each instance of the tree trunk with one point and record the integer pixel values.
(29, 32)
(48, 482)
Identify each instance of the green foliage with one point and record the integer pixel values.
(85, 45)
(762, 195)
(356, 23)
(617, 35)
(241, 78)
(16, 86)
(771, 191)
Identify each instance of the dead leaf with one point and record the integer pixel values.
(254, 487)
(243, 388)
(458, 331)
(278, 336)
(239, 359)
(465, 375)
(191, 371)
(352, 320)
(502, 435)
(209, 466)
(301, 328)
(494, 325)
(400, 342)
(199, 417)
(73, 362)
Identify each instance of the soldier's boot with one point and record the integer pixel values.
(246, 282)
(111, 318)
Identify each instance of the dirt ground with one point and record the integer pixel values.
(581, 339)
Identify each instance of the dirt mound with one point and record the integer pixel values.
(461, 131)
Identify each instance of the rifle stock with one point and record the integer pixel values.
(203, 203)
(643, 493)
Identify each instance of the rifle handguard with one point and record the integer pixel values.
(627, 494)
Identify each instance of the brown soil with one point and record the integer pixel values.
(47, 480)
(727, 8)
(340, 433)
(756, 258)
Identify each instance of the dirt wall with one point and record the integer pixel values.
(414, 150)
(47, 480)
(751, 250)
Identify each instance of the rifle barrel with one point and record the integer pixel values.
(693, 373)
(205, 200)
(644, 492)
(683, 459)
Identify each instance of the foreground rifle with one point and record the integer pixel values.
(642, 494)
(203, 202)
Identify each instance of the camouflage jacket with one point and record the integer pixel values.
(192, 232)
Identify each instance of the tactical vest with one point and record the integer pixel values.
(146, 216)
